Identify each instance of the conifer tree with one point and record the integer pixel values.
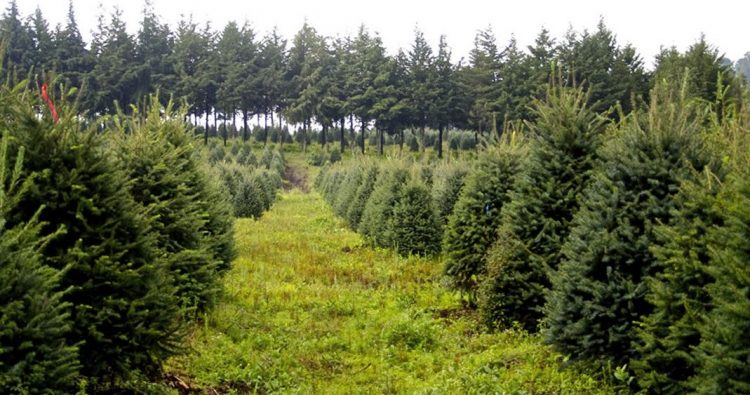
(362, 195)
(471, 228)
(598, 293)
(413, 223)
(121, 299)
(378, 211)
(535, 222)
(34, 354)
(158, 156)
(724, 349)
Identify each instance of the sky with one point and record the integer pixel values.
(648, 25)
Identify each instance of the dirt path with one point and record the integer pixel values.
(295, 178)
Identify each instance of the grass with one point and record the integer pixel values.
(309, 309)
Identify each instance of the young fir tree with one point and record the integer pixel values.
(669, 336)
(378, 211)
(724, 349)
(249, 199)
(349, 187)
(448, 180)
(472, 227)
(34, 354)
(122, 302)
(158, 156)
(665, 358)
(598, 293)
(535, 221)
(413, 223)
(362, 195)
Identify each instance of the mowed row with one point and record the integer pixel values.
(310, 309)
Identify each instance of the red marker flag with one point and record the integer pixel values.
(50, 104)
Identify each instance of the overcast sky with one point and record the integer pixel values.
(646, 24)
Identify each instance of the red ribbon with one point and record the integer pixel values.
(50, 104)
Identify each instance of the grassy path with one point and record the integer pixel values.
(310, 310)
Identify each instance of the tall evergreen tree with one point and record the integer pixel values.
(565, 138)
(598, 293)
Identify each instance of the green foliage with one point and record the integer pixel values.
(413, 223)
(34, 354)
(448, 181)
(668, 336)
(250, 199)
(544, 198)
(598, 293)
(122, 303)
(476, 215)
(168, 180)
(335, 156)
(724, 349)
(379, 210)
(361, 196)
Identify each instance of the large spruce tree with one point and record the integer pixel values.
(535, 221)
(598, 293)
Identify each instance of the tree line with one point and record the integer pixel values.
(234, 74)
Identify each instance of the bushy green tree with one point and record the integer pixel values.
(362, 195)
(724, 349)
(413, 224)
(379, 208)
(158, 155)
(448, 180)
(121, 299)
(34, 354)
(535, 221)
(472, 226)
(598, 293)
(249, 199)
(350, 184)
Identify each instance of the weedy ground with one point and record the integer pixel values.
(310, 309)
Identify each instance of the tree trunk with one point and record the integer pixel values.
(440, 142)
(381, 140)
(205, 132)
(244, 125)
(400, 141)
(304, 136)
(343, 142)
(224, 134)
(234, 123)
(216, 124)
(362, 143)
(421, 137)
(323, 136)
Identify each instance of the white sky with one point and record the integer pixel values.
(646, 24)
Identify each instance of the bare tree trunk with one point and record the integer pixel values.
(381, 142)
(343, 142)
(364, 129)
(244, 125)
(422, 134)
(400, 141)
(440, 142)
(205, 132)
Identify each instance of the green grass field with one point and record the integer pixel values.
(309, 309)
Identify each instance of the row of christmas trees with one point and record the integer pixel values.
(113, 237)
(622, 242)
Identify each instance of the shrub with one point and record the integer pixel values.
(413, 223)
(476, 216)
(316, 157)
(349, 185)
(335, 156)
(535, 222)
(250, 199)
